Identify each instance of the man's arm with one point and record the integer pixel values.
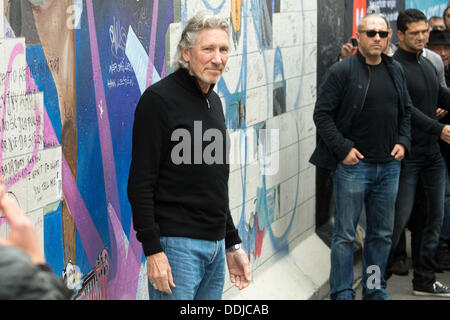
(404, 127)
(444, 98)
(150, 147)
(347, 50)
(431, 126)
(329, 98)
(444, 103)
(237, 260)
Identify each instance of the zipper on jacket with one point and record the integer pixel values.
(207, 101)
(365, 94)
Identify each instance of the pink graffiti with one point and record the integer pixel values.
(18, 50)
(124, 285)
(95, 285)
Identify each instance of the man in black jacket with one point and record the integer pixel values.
(439, 42)
(424, 160)
(362, 116)
(178, 183)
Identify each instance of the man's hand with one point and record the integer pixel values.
(445, 134)
(159, 272)
(239, 268)
(440, 113)
(399, 152)
(22, 234)
(353, 157)
(347, 49)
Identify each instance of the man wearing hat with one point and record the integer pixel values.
(439, 42)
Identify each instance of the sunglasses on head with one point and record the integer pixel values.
(373, 33)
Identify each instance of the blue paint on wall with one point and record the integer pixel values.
(429, 7)
(44, 82)
(53, 248)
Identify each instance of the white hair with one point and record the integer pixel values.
(189, 36)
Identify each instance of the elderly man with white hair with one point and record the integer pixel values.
(178, 187)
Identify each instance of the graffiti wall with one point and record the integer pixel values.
(430, 8)
(71, 74)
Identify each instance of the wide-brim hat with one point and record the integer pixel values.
(439, 37)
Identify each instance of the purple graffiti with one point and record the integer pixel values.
(107, 151)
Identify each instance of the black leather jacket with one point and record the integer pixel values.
(340, 99)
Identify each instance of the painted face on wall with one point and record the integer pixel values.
(207, 59)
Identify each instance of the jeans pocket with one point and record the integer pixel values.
(351, 165)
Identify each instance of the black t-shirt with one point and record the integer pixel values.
(375, 130)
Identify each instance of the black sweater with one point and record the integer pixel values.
(170, 199)
(426, 95)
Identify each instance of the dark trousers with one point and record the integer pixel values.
(426, 224)
(399, 253)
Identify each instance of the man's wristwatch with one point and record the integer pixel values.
(234, 248)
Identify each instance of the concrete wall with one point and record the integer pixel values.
(72, 72)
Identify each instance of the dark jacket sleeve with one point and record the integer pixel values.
(20, 279)
(427, 124)
(444, 98)
(424, 122)
(329, 98)
(150, 144)
(404, 130)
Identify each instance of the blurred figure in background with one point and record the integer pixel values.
(24, 275)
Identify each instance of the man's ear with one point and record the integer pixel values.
(186, 54)
(400, 35)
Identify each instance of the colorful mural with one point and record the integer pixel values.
(71, 74)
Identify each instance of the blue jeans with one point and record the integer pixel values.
(198, 269)
(426, 227)
(444, 239)
(373, 185)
